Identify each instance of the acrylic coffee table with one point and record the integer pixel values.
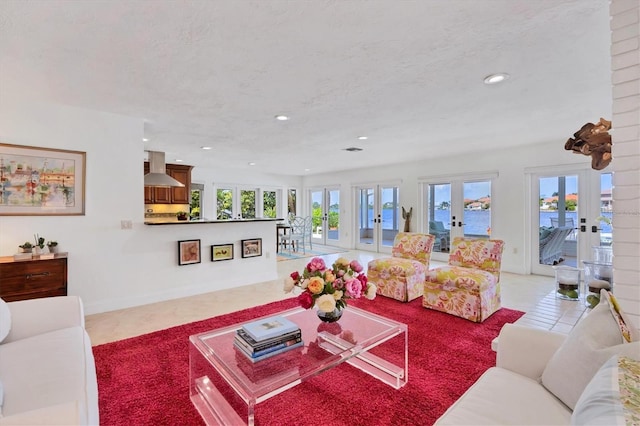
(225, 386)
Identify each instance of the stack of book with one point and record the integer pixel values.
(267, 337)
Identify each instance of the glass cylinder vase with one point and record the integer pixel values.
(332, 316)
(567, 282)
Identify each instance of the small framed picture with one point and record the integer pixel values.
(188, 252)
(252, 248)
(221, 252)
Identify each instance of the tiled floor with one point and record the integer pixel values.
(532, 294)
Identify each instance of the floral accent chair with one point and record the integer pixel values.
(401, 276)
(469, 287)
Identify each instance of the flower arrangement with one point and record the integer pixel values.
(330, 288)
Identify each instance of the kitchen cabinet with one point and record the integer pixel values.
(173, 195)
(34, 278)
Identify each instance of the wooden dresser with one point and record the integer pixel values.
(34, 278)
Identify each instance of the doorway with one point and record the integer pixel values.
(456, 207)
(569, 214)
(378, 217)
(325, 215)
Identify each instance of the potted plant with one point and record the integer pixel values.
(39, 244)
(182, 215)
(52, 246)
(26, 247)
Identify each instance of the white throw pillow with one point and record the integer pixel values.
(5, 320)
(611, 397)
(588, 346)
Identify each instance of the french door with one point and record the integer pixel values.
(568, 206)
(378, 217)
(325, 215)
(456, 207)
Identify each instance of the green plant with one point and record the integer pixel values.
(39, 241)
(52, 244)
(26, 245)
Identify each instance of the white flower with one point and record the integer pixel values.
(304, 283)
(326, 303)
(338, 294)
(371, 292)
(288, 284)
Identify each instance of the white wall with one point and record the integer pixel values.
(112, 268)
(625, 63)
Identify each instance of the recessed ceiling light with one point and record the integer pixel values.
(282, 117)
(205, 147)
(179, 160)
(252, 163)
(363, 138)
(145, 140)
(496, 78)
(353, 149)
(307, 170)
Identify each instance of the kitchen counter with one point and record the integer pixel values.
(199, 221)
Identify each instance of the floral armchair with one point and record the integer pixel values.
(469, 287)
(402, 276)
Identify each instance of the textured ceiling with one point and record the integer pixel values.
(407, 74)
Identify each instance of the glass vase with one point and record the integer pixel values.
(332, 316)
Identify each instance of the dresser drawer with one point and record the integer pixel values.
(32, 279)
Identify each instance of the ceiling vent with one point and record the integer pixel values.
(157, 175)
(353, 149)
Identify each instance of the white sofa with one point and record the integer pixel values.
(47, 369)
(546, 378)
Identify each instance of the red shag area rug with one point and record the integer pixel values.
(144, 380)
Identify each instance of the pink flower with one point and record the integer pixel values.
(295, 276)
(305, 300)
(338, 284)
(354, 288)
(363, 280)
(356, 266)
(316, 264)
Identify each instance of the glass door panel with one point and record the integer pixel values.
(333, 215)
(317, 231)
(606, 210)
(476, 217)
(439, 215)
(378, 217)
(325, 215)
(291, 202)
(367, 239)
(559, 206)
(390, 215)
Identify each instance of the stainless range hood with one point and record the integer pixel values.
(157, 175)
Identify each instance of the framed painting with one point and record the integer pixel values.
(188, 252)
(41, 181)
(221, 252)
(252, 248)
